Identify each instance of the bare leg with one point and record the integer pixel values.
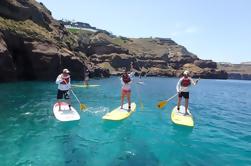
(59, 105)
(86, 82)
(122, 99)
(178, 105)
(69, 103)
(128, 95)
(186, 105)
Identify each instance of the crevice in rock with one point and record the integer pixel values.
(23, 64)
(21, 58)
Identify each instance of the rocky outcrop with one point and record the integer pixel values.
(20, 10)
(156, 57)
(237, 71)
(34, 46)
(7, 68)
(205, 64)
(35, 60)
(101, 49)
(239, 76)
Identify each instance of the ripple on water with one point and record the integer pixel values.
(30, 134)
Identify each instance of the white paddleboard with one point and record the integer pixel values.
(65, 114)
(141, 83)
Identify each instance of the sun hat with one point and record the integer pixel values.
(66, 71)
(186, 72)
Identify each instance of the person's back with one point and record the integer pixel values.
(86, 79)
(126, 80)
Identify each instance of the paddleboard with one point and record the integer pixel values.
(178, 117)
(141, 83)
(84, 86)
(119, 114)
(65, 114)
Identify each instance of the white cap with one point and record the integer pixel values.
(186, 72)
(66, 71)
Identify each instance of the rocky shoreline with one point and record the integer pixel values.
(34, 46)
(237, 71)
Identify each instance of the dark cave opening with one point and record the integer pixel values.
(22, 61)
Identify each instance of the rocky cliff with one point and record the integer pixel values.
(154, 56)
(237, 71)
(34, 46)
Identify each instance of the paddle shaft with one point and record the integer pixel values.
(139, 96)
(172, 97)
(75, 96)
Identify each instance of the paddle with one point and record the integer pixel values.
(82, 106)
(139, 97)
(162, 103)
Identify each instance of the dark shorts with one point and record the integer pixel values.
(63, 94)
(184, 94)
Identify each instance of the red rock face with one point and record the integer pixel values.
(32, 54)
(35, 60)
(24, 57)
(7, 68)
(20, 10)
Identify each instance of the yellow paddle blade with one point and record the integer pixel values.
(161, 104)
(82, 106)
(141, 105)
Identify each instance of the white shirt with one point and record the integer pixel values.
(181, 88)
(60, 80)
(127, 86)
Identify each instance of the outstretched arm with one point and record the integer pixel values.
(131, 74)
(121, 80)
(194, 82)
(178, 86)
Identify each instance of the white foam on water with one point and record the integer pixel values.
(98, 110)
(130, 153)
(27, 113)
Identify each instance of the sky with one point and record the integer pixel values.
(219, 30)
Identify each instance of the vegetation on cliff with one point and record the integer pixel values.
(34, 46)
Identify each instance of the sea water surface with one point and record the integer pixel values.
(30, 134)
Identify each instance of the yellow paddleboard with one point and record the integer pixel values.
(180, 119)
(119, 114)
(84, 86)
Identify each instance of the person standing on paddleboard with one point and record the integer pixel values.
(182, 89)
(86, 77)
(64, 85)
(126, 80)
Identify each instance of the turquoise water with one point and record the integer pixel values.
(30, 135)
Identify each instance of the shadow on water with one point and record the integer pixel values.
(133, 151)
(73, 156)
(140, 155)
(109, 125)
(182, 130)
(181, 133)
(131, 159)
